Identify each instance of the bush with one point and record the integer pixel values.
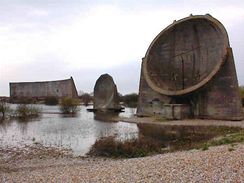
(27, 111)
(4, 108)
(69, 106)
(110, 147)
(51, 100)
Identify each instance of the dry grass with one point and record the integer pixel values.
(111, 147)
(154, 138)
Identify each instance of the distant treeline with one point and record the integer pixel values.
(129, 100)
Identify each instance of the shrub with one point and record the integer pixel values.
(27, 111)
(4, 108)
(69, 106)
(51, 100)
(110, 147)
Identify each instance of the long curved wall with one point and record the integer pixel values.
(59, 88)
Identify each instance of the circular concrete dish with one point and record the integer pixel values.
(185, 55)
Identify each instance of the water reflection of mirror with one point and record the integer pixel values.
(74, 115)
(106, 116)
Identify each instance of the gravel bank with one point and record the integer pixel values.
(188, 122)
(218, 164)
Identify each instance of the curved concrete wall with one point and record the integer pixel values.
(215, 96)
(59, 88)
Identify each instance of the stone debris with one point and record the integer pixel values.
(218, 164)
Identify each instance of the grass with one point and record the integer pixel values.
(205, 147)
(231, 139)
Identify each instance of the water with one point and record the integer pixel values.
(76, 133)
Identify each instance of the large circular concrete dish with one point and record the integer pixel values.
(185, 55)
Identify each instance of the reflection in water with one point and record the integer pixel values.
(77, 133)
(180, 137)
(106, 116)
(75, 115)
(4, 124)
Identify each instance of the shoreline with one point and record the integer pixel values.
(37, 163)
(186, 122)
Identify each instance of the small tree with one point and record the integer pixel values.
(69, 106)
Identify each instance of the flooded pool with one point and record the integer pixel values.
(76, 133)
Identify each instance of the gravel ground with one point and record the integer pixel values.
(218, 164)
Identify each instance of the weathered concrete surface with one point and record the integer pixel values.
(191, 63)
(185, 55)
(105, 94)
(59, 88)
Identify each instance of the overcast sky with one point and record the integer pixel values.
(55, 39)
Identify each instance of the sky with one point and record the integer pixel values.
(54, 39)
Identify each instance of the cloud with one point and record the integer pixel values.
(38, 13)
(95, 37)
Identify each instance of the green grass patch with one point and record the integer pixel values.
(228, 139)
(231, 139)
(205, 147)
